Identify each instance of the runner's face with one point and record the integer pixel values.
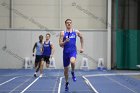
(68, 24)
(41, 38)
(47, 37)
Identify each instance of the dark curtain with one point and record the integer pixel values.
(126, 26)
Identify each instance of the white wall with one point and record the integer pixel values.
(21, 43)
(53, 13)
(4, 14)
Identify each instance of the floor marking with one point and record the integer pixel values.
(56, 82)
(121, 84)
(59, 87)
(19, 85)
(29, 85)
(113, 74)
(89, 84)
(8, 81)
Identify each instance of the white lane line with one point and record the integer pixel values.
(29, 85)
(113, 74)
(59, 87)
(89, 84)
(20, 85)
(8, 81)
(121, 84)
(56, 82)
(53, 91)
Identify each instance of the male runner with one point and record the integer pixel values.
(38, 57)
(48, 50)
(67, 41)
